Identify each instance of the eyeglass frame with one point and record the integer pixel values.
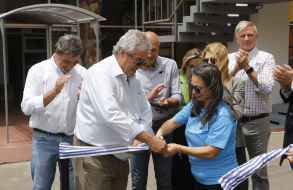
(196, 88)
(138, 61)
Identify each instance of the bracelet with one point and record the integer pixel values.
(250, 70)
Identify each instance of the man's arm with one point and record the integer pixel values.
(50, 95)
(175, 98)
(156, 144)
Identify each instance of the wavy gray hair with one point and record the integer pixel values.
(69, 44)
(131, 42)
(243, 24)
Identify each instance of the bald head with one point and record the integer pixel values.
(154, 52)
(153, 37)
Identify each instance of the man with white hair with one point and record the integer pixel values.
(255, 67)
(113, 110)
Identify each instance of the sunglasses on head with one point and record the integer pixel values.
(195, 88)
(210, 60)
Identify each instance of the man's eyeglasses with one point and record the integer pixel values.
(137, 61)
(195, 88)
(140, 62)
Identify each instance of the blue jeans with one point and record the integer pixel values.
(162, 166)
(45, 156)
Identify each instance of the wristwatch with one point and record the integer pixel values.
(250, 70)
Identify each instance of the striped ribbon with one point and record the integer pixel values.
(68, 151)
(237, 175)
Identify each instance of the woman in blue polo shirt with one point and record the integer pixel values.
(210, 129)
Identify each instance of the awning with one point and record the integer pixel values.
(46, 16)
(50, 14)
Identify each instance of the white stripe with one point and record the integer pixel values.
(67, 151)
(237, 175)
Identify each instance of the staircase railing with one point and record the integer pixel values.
(164, 12)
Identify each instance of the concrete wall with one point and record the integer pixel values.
(272, 22)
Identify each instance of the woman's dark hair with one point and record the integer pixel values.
(211, 76)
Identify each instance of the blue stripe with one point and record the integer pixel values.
(237, 175)
(68, 151)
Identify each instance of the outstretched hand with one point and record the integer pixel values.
(155, 91)
(171, 149)
(157, 145)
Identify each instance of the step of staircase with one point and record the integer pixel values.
(200, 18)
(203, 38)
(212, 21)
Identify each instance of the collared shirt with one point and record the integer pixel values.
(257, 98)
(112, 109)
(59, 115)
(218, 132)
(165, 72)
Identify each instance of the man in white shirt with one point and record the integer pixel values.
(113, 110)
(50, 98)
(255, 68)
(159, 78)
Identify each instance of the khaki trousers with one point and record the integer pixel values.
(100, 172)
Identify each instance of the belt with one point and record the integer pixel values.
(48, 133)
(245, 119)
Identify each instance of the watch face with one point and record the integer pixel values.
(249, 70)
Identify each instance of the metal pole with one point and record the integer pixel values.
(98, 57)
(5, 77)
(155, 9)
(198, 5)
(149, 10)
(142, 15)
(135, 14)
(175, 20)
(49, 41)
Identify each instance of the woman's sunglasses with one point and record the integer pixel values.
(195, 88)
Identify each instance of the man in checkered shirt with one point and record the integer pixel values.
(255, 67)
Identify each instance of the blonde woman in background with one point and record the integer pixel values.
(216, 53)
(181, 173)
(191, 58)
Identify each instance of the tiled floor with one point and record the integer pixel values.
(18, 146)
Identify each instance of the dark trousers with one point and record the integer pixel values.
(64, 174)
(241, 158)
(181, 170)
(199, 186)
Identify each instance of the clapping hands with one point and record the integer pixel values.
(242, 61)
(284, 75)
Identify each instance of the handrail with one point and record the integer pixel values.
(169, 18)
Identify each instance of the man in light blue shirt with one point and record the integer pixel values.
(159, 78)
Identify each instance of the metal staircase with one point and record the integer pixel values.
(198, 20)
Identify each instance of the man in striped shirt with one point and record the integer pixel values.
(255, 67)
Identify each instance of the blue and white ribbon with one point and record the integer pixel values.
(68, 151)
(237, 175)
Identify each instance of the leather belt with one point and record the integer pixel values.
(48, 133)
(245, 119)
